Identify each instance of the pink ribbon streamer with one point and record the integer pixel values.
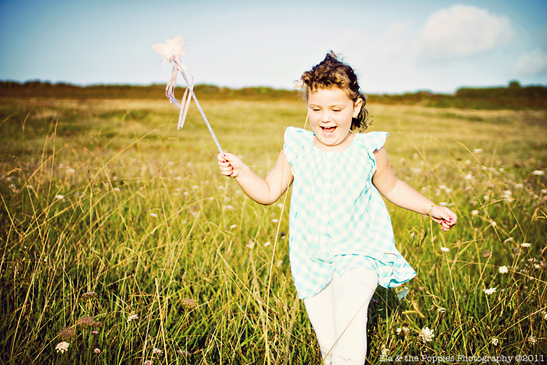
(171, 51)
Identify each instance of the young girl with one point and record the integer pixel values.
(341, 239)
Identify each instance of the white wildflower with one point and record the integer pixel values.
(97, 351)
(267, 244)
(489, 291)
(494, 341)
(486, 197)
(426, 334)
(403, 293)
(468, 177)
(251, 244)
(475, 212)
(545, 316)
(442, 187)
(278, 263)
(153, 215)
(493, 224)
(62, 347)
(402, 331)
(117, 189)
(156, 351)
(538, 172)
(525, 244)
(59, 197)
(384, 351)
(233, 226)
(532, 340)
(280, 205)
(275, 220)
(195, 187)
(132, 317)
(508, 240)
(445, 249)
(503, 270)
(228, 207)
(519, 186)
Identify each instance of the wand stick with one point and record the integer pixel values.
(193, 95)
(171, 52)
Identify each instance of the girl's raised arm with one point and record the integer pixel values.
(263, 191)
(401, 194)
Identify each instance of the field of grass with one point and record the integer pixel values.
(120, 237)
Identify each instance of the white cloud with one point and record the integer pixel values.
(462, 30)
(532, 63)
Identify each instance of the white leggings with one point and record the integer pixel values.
(339, 316)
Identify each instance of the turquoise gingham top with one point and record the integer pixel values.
(338, 219)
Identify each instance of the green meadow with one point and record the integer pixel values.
(120, 237)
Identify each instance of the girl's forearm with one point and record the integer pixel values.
(404, 196)
(255, 187)
(263, 191)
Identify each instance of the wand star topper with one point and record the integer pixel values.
(172, 51)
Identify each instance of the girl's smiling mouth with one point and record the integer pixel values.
(328, 131)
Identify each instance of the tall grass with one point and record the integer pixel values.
(120, 236)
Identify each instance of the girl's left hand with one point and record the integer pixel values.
(444, 216)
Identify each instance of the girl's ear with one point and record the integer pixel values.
(357, 107)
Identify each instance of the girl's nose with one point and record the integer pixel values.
(326, 117)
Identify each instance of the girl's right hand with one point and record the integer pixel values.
(444, 216)
(230, 165)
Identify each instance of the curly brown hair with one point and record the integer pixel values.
(331, 72)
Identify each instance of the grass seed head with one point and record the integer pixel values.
(90, 295)
(67, 332)
(190, 303)
(85, 322)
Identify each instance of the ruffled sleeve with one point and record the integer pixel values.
(375, 140)
(293, 143)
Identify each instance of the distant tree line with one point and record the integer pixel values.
(514, 96)
(68, 91)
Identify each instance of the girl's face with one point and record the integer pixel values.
(330, 112)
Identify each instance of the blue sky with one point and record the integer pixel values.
(395, 46)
